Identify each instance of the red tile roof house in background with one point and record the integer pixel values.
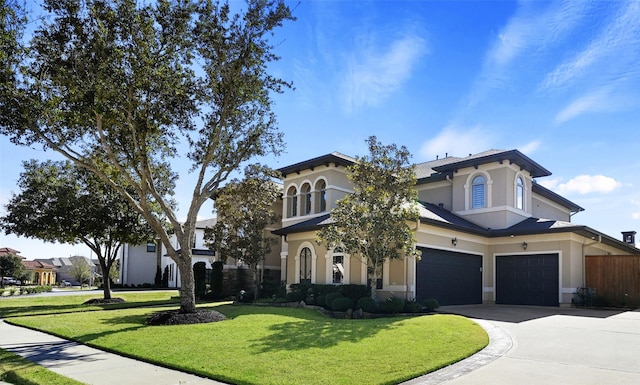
(44, 273)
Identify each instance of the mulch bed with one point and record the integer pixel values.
(102, 301)
(174, 317)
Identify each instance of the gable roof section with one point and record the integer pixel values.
(335, 157)
(38, 265)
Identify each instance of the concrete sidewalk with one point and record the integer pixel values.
(86, 364)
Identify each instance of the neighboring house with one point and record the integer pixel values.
(43, 272)
(5, 251)
(138, 263)
(63, 267)
(487, 231)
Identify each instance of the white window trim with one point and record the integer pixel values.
(314, 258)
(329, 267)
(524, 192)
(488, 193)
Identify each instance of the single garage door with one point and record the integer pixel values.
(451, 278)
(527, 279)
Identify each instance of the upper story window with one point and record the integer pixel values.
(151, 247)
(321, 196)
(478, 192)
(292, 202)
(306, 193)
(519, 193)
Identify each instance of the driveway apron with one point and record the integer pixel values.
(558, 346)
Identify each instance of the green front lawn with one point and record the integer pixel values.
(265, 345)
(31, 305)
(19, 371)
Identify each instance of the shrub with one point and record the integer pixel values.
(412, 306)
(342, 304)
(199, 275)
(320, 301)
(329, 298)
(294, 296)
(392, 305)
(368, 304)
(431, 304)
(355, 292)
(217, 277)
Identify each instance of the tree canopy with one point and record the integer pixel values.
(10, 266)
(375, 221)
(61, 202)
(245, 209)
(130, 87)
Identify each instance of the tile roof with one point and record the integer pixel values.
(4, 251)
(38, 265)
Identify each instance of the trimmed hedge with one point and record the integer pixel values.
(341, 304)
(329, 298)
(368, 304)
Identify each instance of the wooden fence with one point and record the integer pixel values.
(616, 278)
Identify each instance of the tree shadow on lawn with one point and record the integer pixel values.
(20, 311)
(323, 333)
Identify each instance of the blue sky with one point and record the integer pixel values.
(559, 81)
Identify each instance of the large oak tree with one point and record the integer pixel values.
(129, 86)
(61, 202)
(375, 221)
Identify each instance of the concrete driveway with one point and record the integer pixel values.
(558, 346)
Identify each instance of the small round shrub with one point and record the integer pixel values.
(341, 304)
(328, 299)
(412, 307)
(294, 296)
(431, 304)
(392, 305)
(320, 301)
(368, 304)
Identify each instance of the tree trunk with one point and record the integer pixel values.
(255, 283)
(187, 286)
(106, 282)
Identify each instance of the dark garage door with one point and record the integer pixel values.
(451, 278)
(527, 279)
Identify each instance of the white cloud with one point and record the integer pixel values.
(456, 141)
(635, 215)
(530, 147)
(374, 73)
(551, 184)
(617, 43)
(586, 184)
(599, 100)
(532, 31)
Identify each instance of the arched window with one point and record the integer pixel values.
(321, 196)
(519, 193)
(305, 265)
(292, 209)
(478, 192)
(306, 193)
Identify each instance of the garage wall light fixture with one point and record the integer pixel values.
(524, 245)
(454, 241)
